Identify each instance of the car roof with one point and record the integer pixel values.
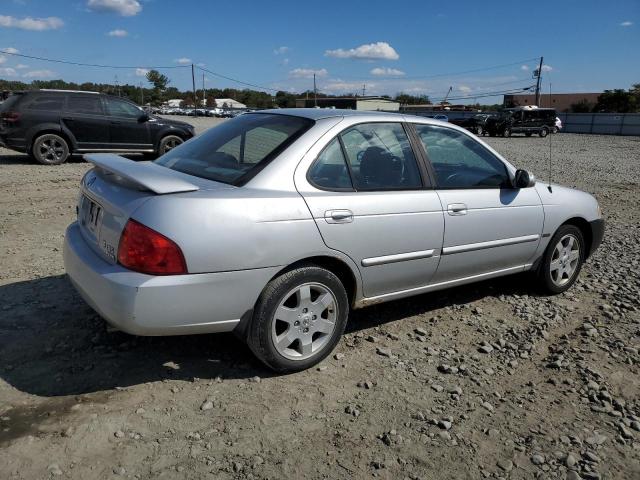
(320, 113)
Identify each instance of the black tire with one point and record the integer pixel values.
(544, 131)
(169, 143)
(479, 131)
(506, 132)
(544, 275)
(50, 149)
(260, 338)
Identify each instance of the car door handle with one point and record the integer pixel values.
(457, 209)
(338, 216)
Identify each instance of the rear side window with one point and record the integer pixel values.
(236, 150)
(330, 169)
(46, 102)
(87, 104)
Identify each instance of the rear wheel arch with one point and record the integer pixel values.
(33, 136)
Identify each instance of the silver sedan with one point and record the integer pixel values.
(275, 224)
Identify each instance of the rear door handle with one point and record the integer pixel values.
(457, 209)
(338, 216)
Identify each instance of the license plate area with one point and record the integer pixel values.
(90, 215)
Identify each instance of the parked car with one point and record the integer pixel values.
(51, 125)
(558, 126)
(522, 120)
(475, 124)
(439, 116)
(275, 224)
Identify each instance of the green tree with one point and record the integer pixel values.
(617, 101)
(406, 99)
(159, 82)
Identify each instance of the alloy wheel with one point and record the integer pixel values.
(51, 150)
(564, 260)
(304, 321)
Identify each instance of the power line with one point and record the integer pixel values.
(492, 94)
(238, 81)
(80, 64)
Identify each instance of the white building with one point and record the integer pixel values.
(229, 103)
(173, 103)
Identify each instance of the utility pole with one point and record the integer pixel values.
(315, 92)
(204, 93)
(538, 73)
(118, 86)
(195, 97)
(141, 95)
(364, 88)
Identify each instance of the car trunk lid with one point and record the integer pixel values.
(116, 188)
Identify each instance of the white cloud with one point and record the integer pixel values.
(183, 60)
(21, 66)
(3, 59)
(307, 73)
(281, 50)
(118, 32)
(125, 8)
(8, 72)
(39, 74)
(386, 72)
(371, 51)
(141, 72)
(524, 68)
(29, 23)
(201, 64)
(284, 62)
(339, 86)
(547, 68)
(464, 89)
(10, 50)
(626, 24)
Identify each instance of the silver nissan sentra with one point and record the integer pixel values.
(275, 224)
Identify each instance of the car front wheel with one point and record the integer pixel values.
(298, 319)
(544, 131)
(562, 260)
(50, 149)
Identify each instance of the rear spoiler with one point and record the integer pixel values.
(148, 175)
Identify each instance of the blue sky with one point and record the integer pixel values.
(390, 46)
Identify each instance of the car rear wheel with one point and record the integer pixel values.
(169, 143)
(544, 131)
(507, 132)
(298, 319)
(562, 260)
(50, 149)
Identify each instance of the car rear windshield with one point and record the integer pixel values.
(238, 149)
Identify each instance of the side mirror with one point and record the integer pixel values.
(524, 179)
(143, 118)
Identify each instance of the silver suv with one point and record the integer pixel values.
(275, 224)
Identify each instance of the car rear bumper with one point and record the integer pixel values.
(161, 305)
(597, 234)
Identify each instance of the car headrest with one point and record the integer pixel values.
(379, 168)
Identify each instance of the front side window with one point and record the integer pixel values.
(120, 108)
(237, 149)
(460, 161)
(87, 104)
(380, 157)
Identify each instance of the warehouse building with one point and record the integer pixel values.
(560, 101)
(350, 103)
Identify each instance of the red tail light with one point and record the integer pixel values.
(10, 117)
(144, 250)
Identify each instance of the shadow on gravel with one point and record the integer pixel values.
(24, 159)
(53, 344)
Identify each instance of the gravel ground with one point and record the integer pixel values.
(410, 392)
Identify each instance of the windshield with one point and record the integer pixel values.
(236, 150)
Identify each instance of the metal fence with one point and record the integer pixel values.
(596, 123)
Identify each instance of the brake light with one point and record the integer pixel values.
(146, 251)
(10, 116)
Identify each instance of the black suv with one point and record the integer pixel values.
(522, 120)
(50, 125)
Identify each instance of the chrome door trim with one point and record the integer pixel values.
(398, 257)
(470, 247)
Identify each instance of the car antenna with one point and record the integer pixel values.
(549, 185)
